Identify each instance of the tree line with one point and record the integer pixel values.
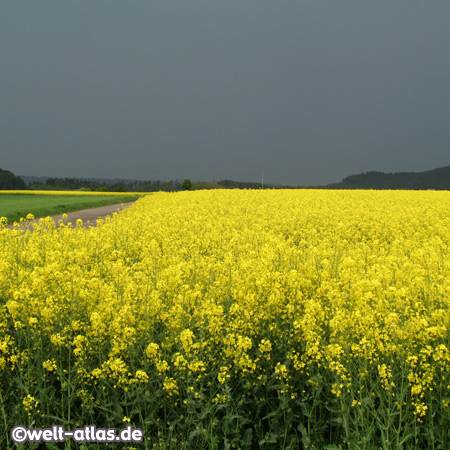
(10, 181)
(438, 179)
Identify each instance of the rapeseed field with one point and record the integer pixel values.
(235, 319)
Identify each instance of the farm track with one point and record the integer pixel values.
(88, 216)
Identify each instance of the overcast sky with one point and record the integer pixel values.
(210, 89)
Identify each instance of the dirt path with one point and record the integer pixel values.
(89, 216)
(92, 214)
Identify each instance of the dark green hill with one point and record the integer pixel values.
(10, 181)
(438, 179)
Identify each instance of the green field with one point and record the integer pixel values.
(13, 206)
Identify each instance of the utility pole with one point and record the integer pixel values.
(262, 177)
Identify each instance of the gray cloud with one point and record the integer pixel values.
(311, 90)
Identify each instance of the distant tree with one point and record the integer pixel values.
(231, 184)
(197, 185)
(10, 181)
(119, 188)
(187, 185)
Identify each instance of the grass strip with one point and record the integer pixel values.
(13, 206)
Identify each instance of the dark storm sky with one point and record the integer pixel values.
(210, 89)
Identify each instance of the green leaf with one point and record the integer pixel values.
(248, 437)
(271, 414)
(269, 438)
